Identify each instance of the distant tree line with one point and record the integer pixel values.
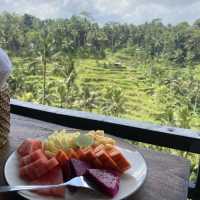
(27, 35)
(50, 48)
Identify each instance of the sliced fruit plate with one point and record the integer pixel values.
(115, 172)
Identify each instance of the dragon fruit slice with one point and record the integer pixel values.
(107, 181)
(78, 167)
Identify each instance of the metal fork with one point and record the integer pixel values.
(79, 182)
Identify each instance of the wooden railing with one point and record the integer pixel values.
(171, 137)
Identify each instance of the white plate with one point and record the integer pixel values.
(129, 182)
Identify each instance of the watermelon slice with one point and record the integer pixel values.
(54, 176)
(107, 181)
(36, 155)
(33, 170)
(29, 146)
(38, 168)
(52, 163)
(78, 167)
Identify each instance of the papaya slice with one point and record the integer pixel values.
(79, 153)
(61, 157)
(91, 158)
(72, 154)
(83, 153)
(98, 148)
(107, 161)
(120, 160)
(63, 160)
(87, 149)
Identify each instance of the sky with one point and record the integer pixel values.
(102, 11)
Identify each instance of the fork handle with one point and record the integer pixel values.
(28, 187)
(76, 182)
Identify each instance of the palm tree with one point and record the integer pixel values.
(44, 54)
(96, 40)
(114, 102)
(88, 98)
(50, 95)
(65, 68)
(62, 94)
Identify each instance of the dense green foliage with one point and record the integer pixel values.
(149, 72)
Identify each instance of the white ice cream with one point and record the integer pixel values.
(5, 67)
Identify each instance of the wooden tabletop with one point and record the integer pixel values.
(167, 175)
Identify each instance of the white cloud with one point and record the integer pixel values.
(131, 11)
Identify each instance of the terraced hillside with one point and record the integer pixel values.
(102, 73)
(146, 94)
(152, 91)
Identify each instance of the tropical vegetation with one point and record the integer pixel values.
(148, 72)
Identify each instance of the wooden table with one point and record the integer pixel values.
(167, 175)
